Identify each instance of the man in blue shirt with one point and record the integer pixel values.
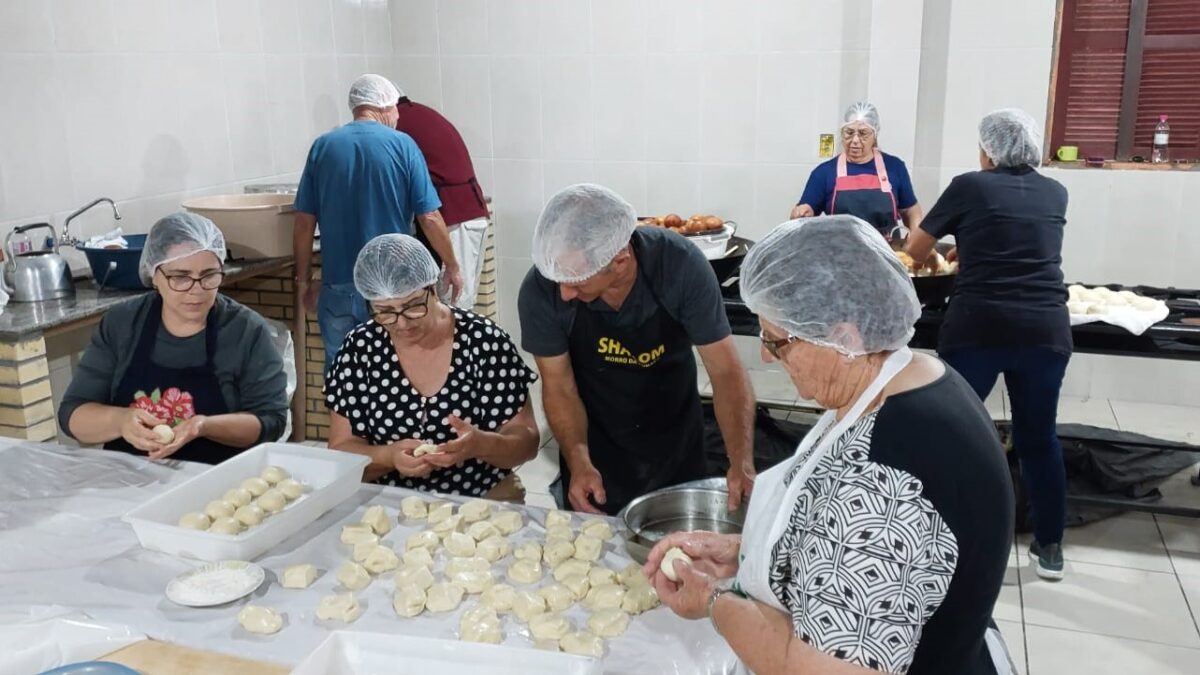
(362, 180)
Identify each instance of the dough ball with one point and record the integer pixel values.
(444, 527)
(250, 515)
(425, 539)
(549, 626)
(165, 433)
(274, 474)
(380, 560)
(578, 584)
(480, 624)
(439, 512)
(1144, 304)
(600, 576)
(377, 518)
(357, 534)
(493, 548)
(572, 567)
(425, 449)
(640, 598)
(582, 643)
(272, 501)
(1128, 295)
(604, 596)
(563, 532)
(353, 576)
(414, 508)
(498, 597)
(557, 550)
(1097, 308)
(528, 550)
(1078, 307)
(481, 530)
(668, 562)
(588, 547)
(474, 563)
(1116, 301)
(632, 576)
(299, 576)
(1074, 290)
(226, 526)
(339, 607)
(292, 489)
(1088, 295)
(408, 601)
(362, 550)
(608, 623)
(473, 581)
(528, 604)
(238, 496)
(219, 508)
(557, 596)
(508, 522)
(556, 517)
(255, 486)
(460, 545)
(475, 510)
(195, 520)
(418, 556)
(525, 571)
(417, 576)
(261, 620)
(443, 597)
(599, 529)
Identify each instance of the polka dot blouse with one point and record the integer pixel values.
(487, 386)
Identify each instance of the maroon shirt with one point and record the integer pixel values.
(449, 162)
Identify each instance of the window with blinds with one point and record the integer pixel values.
(1121, 64)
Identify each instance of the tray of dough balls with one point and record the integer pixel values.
(247, 504)
(1126, 309)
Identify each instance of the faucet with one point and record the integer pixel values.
(67, 239)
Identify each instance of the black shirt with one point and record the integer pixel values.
(672, 274)
(1008, 226)
(897, 546)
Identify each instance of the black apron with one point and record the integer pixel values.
(638, 387)
(200, 382)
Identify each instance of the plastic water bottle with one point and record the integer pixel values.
(1162, 136)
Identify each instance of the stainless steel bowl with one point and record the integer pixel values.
(677, 509)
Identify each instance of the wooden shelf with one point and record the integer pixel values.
(1124, 166)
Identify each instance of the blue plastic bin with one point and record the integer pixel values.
(117, 267)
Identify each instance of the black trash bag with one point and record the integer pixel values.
(774, 440)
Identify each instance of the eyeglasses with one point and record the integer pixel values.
(417, 309)
(184, 282)
(865, 134)
(773, 347)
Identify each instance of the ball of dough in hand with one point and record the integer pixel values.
(299, 576)
(549, 626)
(639, 598)
(525, 571)
(588, 547)
(582, 643)
(493, 548)
(377, 519)
(668, 562)
(272, 501)
(255, 486)
(226, 526)
(219, 508)
(443, 597)
(339, 607)
(291, 488)
(557, 596)
(274, 474)
(418, 576)
(480, 624)
(380, 560)
(261, 620)
(599, 529)
(508, 522)
(475, 510)
(425, 449)
(195, 521)
(238, 496)
(499, 597)
(414, 508)
(604, 596)
(353, 576)
(528, 550)
(527, 605)
(408, 601)
(608, 623)
(165, 433)
(250, 515)
(557, 550)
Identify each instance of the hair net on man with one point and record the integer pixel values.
(178, 236)
(863, 112)
(393, 266)
(581, 229)
(374, 90)
(832, 281)
(1010, 137)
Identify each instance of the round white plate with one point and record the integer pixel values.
(215, 583)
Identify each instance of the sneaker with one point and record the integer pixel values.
(1049, 560)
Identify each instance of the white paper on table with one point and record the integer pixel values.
(1136, 321)
(48, 637)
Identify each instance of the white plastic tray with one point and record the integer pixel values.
(354, 653)
(331, 477)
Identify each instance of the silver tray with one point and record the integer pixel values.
(681, 508)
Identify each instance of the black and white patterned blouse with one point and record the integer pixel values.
(487, 386)
(897, 545)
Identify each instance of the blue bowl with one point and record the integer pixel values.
(117, 267)
(92, 668)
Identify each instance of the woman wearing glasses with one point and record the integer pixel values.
(184, 356)
(862, 181)
(423, 373)
(882, 543)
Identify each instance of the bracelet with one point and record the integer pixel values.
(724, 586)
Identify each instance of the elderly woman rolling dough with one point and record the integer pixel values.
(881, 545)
(436, 396)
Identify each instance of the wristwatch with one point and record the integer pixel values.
(722, 587)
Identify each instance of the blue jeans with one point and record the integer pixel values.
(339, 310)
(1034, 377)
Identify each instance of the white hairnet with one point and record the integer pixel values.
(178, 236)
(374, 90)
(581, 230)
(393, 266)
(863, 112)
(1010, 137)
(834, 282)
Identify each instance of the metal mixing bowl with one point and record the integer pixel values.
(677, 509)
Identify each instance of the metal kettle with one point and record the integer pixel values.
(36, 275)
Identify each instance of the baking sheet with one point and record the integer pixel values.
(62, 543)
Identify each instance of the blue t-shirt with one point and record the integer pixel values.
(362, 180)
(818, 193)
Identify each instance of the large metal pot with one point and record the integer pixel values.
(681, 508)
